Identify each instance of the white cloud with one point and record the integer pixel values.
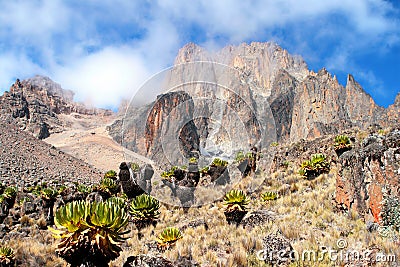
(14, 66)
(34, 19)
(101, 49)
(104, 77)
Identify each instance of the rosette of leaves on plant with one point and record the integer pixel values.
(236, 203)
(320, 163)
(306, 169)
(49, 194)
(174, 174)
(240, 156)
(217, 162)
(317, 165)
(168, 237)
(268, 196)
(84, 189)
(144, 210)
(10, 192)
(169, 175)
(107, 187)
(111, 174)
(342, 144)
(135, 167)
(193, 160)
(9, 195)
(204, 171)
(7, 256)
(90, 232)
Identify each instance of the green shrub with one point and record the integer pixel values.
(315, 166)
(48, 193)
(7, 256)
(117, 201)
(320, 163)
(249, 155)
(135, 167)
(144, 208)
(84, 189)
(10, 192)
(217, 162)
(267, 196)
(61, 189)
(235, 200)
(169, 236)
(239, 156)
(204, 170)
(172, 172)
(274, 144)
(108, 185)
(111, 174)
(90, 232)
(193, 160)
(342, 142)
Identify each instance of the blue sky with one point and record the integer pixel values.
(105, 49)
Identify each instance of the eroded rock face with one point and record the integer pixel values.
(163, 131)
(35, 105)
(365, 172)
(170, 127)
(303, 104)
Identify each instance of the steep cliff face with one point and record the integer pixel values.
(170, 130)
(304, 104)
(163, 130)
(35, 105)
(260, 62)
(366, 172)
(393, 111)
(262, 80)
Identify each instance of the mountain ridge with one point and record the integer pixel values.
(304, 104)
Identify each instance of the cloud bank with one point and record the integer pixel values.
(104, 50)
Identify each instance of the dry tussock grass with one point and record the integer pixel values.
(305, 215)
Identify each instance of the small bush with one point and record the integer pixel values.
(84, 189)
(169, 236)
(135, 167)
(268, 196)
(217, 162)
(240, 156)
(342, 143)
(317, 165)
(274, 144)
(7, 256)
(193, 160)
(111, 174)
(235, 199)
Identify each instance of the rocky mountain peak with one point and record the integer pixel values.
(190, 53)
(304, 104)
(36, 105)
(46, 84)
(397, 100)
(260, 62)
